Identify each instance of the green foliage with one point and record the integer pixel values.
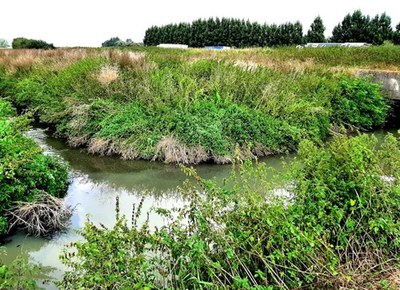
(316, 32)
(360, 28)
(24, 170)
(127, 267)
(20, 42)
(227, 32)
(396, 35)
(19, 275)
(339, 221)
(346, 188)
(359, 104)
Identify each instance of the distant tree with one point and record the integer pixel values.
(360, 28)
(113, 41)
(225, 32)
(353, 28)
(26, 43)
(316, 31)
(396, 35)
(380, 29)
(3, 43)
(117, 42)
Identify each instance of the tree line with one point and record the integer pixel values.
(26, 43)
(225, 31)
(232, 32)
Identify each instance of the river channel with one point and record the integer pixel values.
(96, 182)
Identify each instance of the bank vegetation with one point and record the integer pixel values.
(197, 106)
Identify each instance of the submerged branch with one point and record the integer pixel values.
(42, 217)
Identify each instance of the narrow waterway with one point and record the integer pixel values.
(97, 181)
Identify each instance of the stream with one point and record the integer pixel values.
(96, 182)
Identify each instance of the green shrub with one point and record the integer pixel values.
(360, 104)
(19, 275)
(355, 201)
(24, 170)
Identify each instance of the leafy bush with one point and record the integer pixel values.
(356, 200)
(337, 227)
(127, 266)
(19, 275)
(359, 104)
(24, 171)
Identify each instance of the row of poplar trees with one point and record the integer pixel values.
(355, 27)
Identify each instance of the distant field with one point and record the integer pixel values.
(197, 105)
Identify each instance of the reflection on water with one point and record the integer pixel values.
(95, 184)
(94, 200)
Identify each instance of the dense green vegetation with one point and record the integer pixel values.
(25, 43)
(196, 106)
(240, 33)
(396, 35)
(25, 172)
(361, 28)
(316, 31)
(338, 227)
(19, 275)
(225, 31)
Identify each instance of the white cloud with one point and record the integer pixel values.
(90, 22)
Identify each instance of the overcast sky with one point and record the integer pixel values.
(90, 22)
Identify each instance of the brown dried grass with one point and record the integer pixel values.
(107, 74)
(246, 65)
(170, 150)
(128, 153)
(360, 270)
(77, 141)
(57, 59)
(130, 59)
(99, 146)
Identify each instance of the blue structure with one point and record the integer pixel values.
(217, 47)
